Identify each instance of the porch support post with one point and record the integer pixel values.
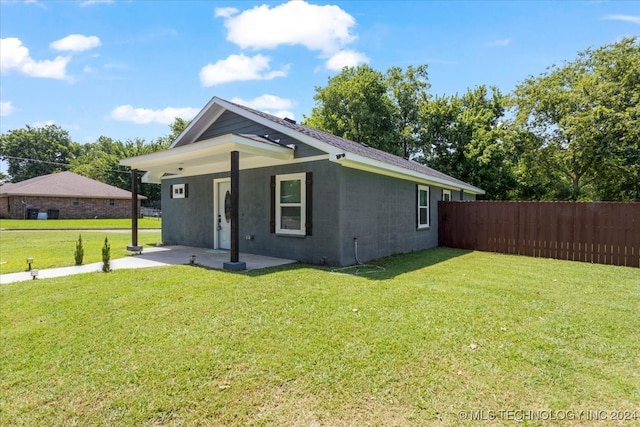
(235, 264)
(134, 213)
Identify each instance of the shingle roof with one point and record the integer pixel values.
(356, 147)
(65, 184)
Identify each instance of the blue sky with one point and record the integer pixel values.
(124, 69)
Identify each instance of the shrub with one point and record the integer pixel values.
(79, 253)
(106, 256)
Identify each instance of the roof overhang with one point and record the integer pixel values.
(363, 163)
(210, 156)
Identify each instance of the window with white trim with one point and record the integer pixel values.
(423, 206)
(291, 204)
(446, 195)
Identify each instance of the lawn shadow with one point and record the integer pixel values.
(379, 269)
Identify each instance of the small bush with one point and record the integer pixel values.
(79, 253)
(106, 256)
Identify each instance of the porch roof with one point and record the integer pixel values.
(210, 156)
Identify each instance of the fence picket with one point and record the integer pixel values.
(598, 232)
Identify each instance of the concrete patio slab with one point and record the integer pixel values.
(156, 257)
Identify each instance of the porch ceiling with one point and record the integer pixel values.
(210, 156)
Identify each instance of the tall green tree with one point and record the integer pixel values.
(355, 105)
(466, 137)
(36, 151)
(584, 120)
(408, 91)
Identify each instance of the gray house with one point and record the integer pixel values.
(247, 181)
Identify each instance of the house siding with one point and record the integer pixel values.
(15, 207)
(378, 211)
(230, 122)
(381, 213)
(191, 221)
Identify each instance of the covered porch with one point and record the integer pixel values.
(226, 154)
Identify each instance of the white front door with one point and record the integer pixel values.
(222, 190)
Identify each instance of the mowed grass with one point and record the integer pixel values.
(81, 224)
(56, 248)
(437, 335)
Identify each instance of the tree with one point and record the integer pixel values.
(584, 120)
(466, 137)
(355, 105)
(100, 160)
(37, 151)
(408, 94)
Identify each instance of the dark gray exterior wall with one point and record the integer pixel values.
(190, 221)
(379, 211)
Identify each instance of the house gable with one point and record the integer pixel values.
(230, 122)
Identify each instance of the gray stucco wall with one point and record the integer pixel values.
(379, 211)
(190, 221)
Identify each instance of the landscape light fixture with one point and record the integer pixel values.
(193, 259)
(34, 274)
(29, 262)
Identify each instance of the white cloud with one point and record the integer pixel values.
(266, 102)
(269, 104)
(6, 108)
(43, 124)
(240, 67)
(634, 19)
(499, 42)
(225, 12)
(14, 56)
(326, 29)
(91, 2)
(127, 113)
(76, 43)
(346, 58)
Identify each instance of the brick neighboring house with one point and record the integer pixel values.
(64, 195)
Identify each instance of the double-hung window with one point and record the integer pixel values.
(423, 206)
(446, 195)
(291, 204)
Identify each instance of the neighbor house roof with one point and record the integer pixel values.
(64, 184)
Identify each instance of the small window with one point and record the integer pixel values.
(76, 201)
(290, 204)
(423, 206)
(112, 202)
(446, 195)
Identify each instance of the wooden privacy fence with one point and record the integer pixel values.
(601, 232)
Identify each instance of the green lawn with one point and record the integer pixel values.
(437, 335)
(56, 248)
(82, 224)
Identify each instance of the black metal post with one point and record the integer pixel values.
(235, 202)
(134, 207)
(235, 264)
(134, 213)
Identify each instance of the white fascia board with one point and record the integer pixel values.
(210, 147)
(356, 161)
(200, 122)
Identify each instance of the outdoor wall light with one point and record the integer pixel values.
(34, 274)
(29, 262)
(193, 259)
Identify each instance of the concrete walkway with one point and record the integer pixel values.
(155, 257)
